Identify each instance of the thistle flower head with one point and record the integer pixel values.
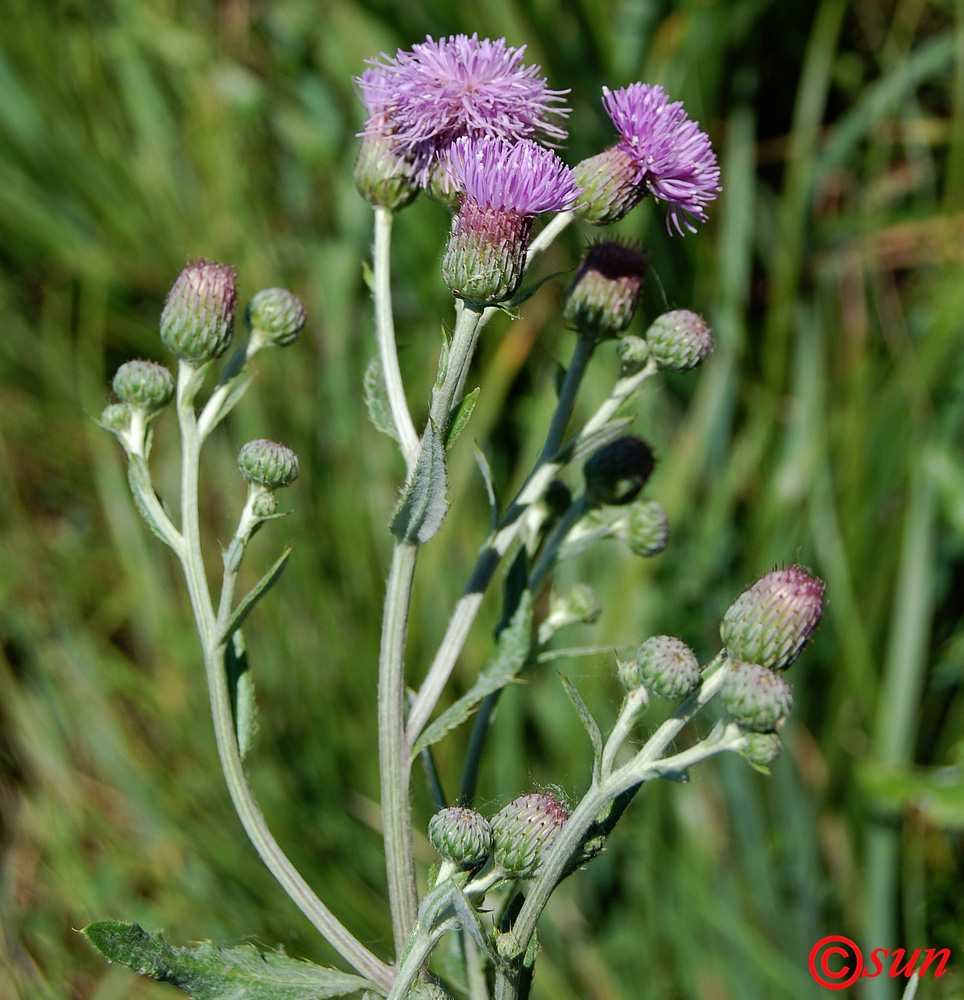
(602, 297)
(275, 316)
(646, 530)
(460, 835)
(198, 317)
(524, 830)
(504, 188)
(458, 86)
(756, 698)
(268, 464)
(666, 665)
(661, 152)
(144, 384)
(679, 340)
(771, 621)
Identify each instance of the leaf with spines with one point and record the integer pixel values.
(511, 653)
(424, 503)
(376, 398)
(208, 972)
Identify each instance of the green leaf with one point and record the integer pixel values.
(588, 722)
(376, 398)
(511, 653)
(256, 593)
(423, 505)
(583, 447)
(238, 386)
(460, 416)
(208, 972)
(241, 692)
(483, 463)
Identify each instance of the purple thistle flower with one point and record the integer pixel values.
(458, 86)
(504, 187)
(673, 159)
(525, 178)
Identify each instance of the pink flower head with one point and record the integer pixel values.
(674, 159)
(458, 86)
(525, 179)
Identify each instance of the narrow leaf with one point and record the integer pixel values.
(588, 722)
(584, 447)
(208, 972)
(376, 398)
(238, 386)
(241, 692)
(423, 505)
(460, 416)
(483, 463)
(511, 653)
(256, 593)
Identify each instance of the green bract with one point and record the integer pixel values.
(268, 463)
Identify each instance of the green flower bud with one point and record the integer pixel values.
(666, 665)
(618, 471)
(647, 529)
(633, 353)
(524, 830)
(383, 178)
(679, 340)
(116, 418)
(428, 991)
(267, 463)
(579, 605)
(144, 384)
(602, 298)
(264, 503)
(198, 317)
(771, 622)
(762, 750)
(756, 698)
(275, 316)
(608, 190)
(460, 835)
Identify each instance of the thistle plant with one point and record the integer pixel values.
(467, 122)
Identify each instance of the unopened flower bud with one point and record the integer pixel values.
(762, 750)
(268, 463)
(618, 471)
(609, 187)
(275, 316)
(460, 835)
(144, 384)
(116, 418)
(198, 316)
(428, 991)
(647, 529)
(771, 621)
(666, 665)
(579, 605)
(524, 830)
(602, 298)
(383, 177)
(633, 353)
(679, 340)
(264, 503)
(755, 697)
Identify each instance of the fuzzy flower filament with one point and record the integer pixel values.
(504, 187)
(660, 151)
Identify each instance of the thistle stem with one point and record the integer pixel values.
(352, 950)
(393, 750)
(385, 336)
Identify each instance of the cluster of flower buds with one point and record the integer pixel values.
(144, 388)
(516, 838)
(763, 632)
(267, 466)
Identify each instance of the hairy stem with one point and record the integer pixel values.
(352, 950)
(393, 751)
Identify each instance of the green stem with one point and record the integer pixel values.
(469, 320)
(393, 750)
(355, 953)
(567, 397)
(385, 336)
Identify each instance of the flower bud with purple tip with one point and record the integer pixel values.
(198, 317)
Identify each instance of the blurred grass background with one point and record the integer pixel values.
(826, 428)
